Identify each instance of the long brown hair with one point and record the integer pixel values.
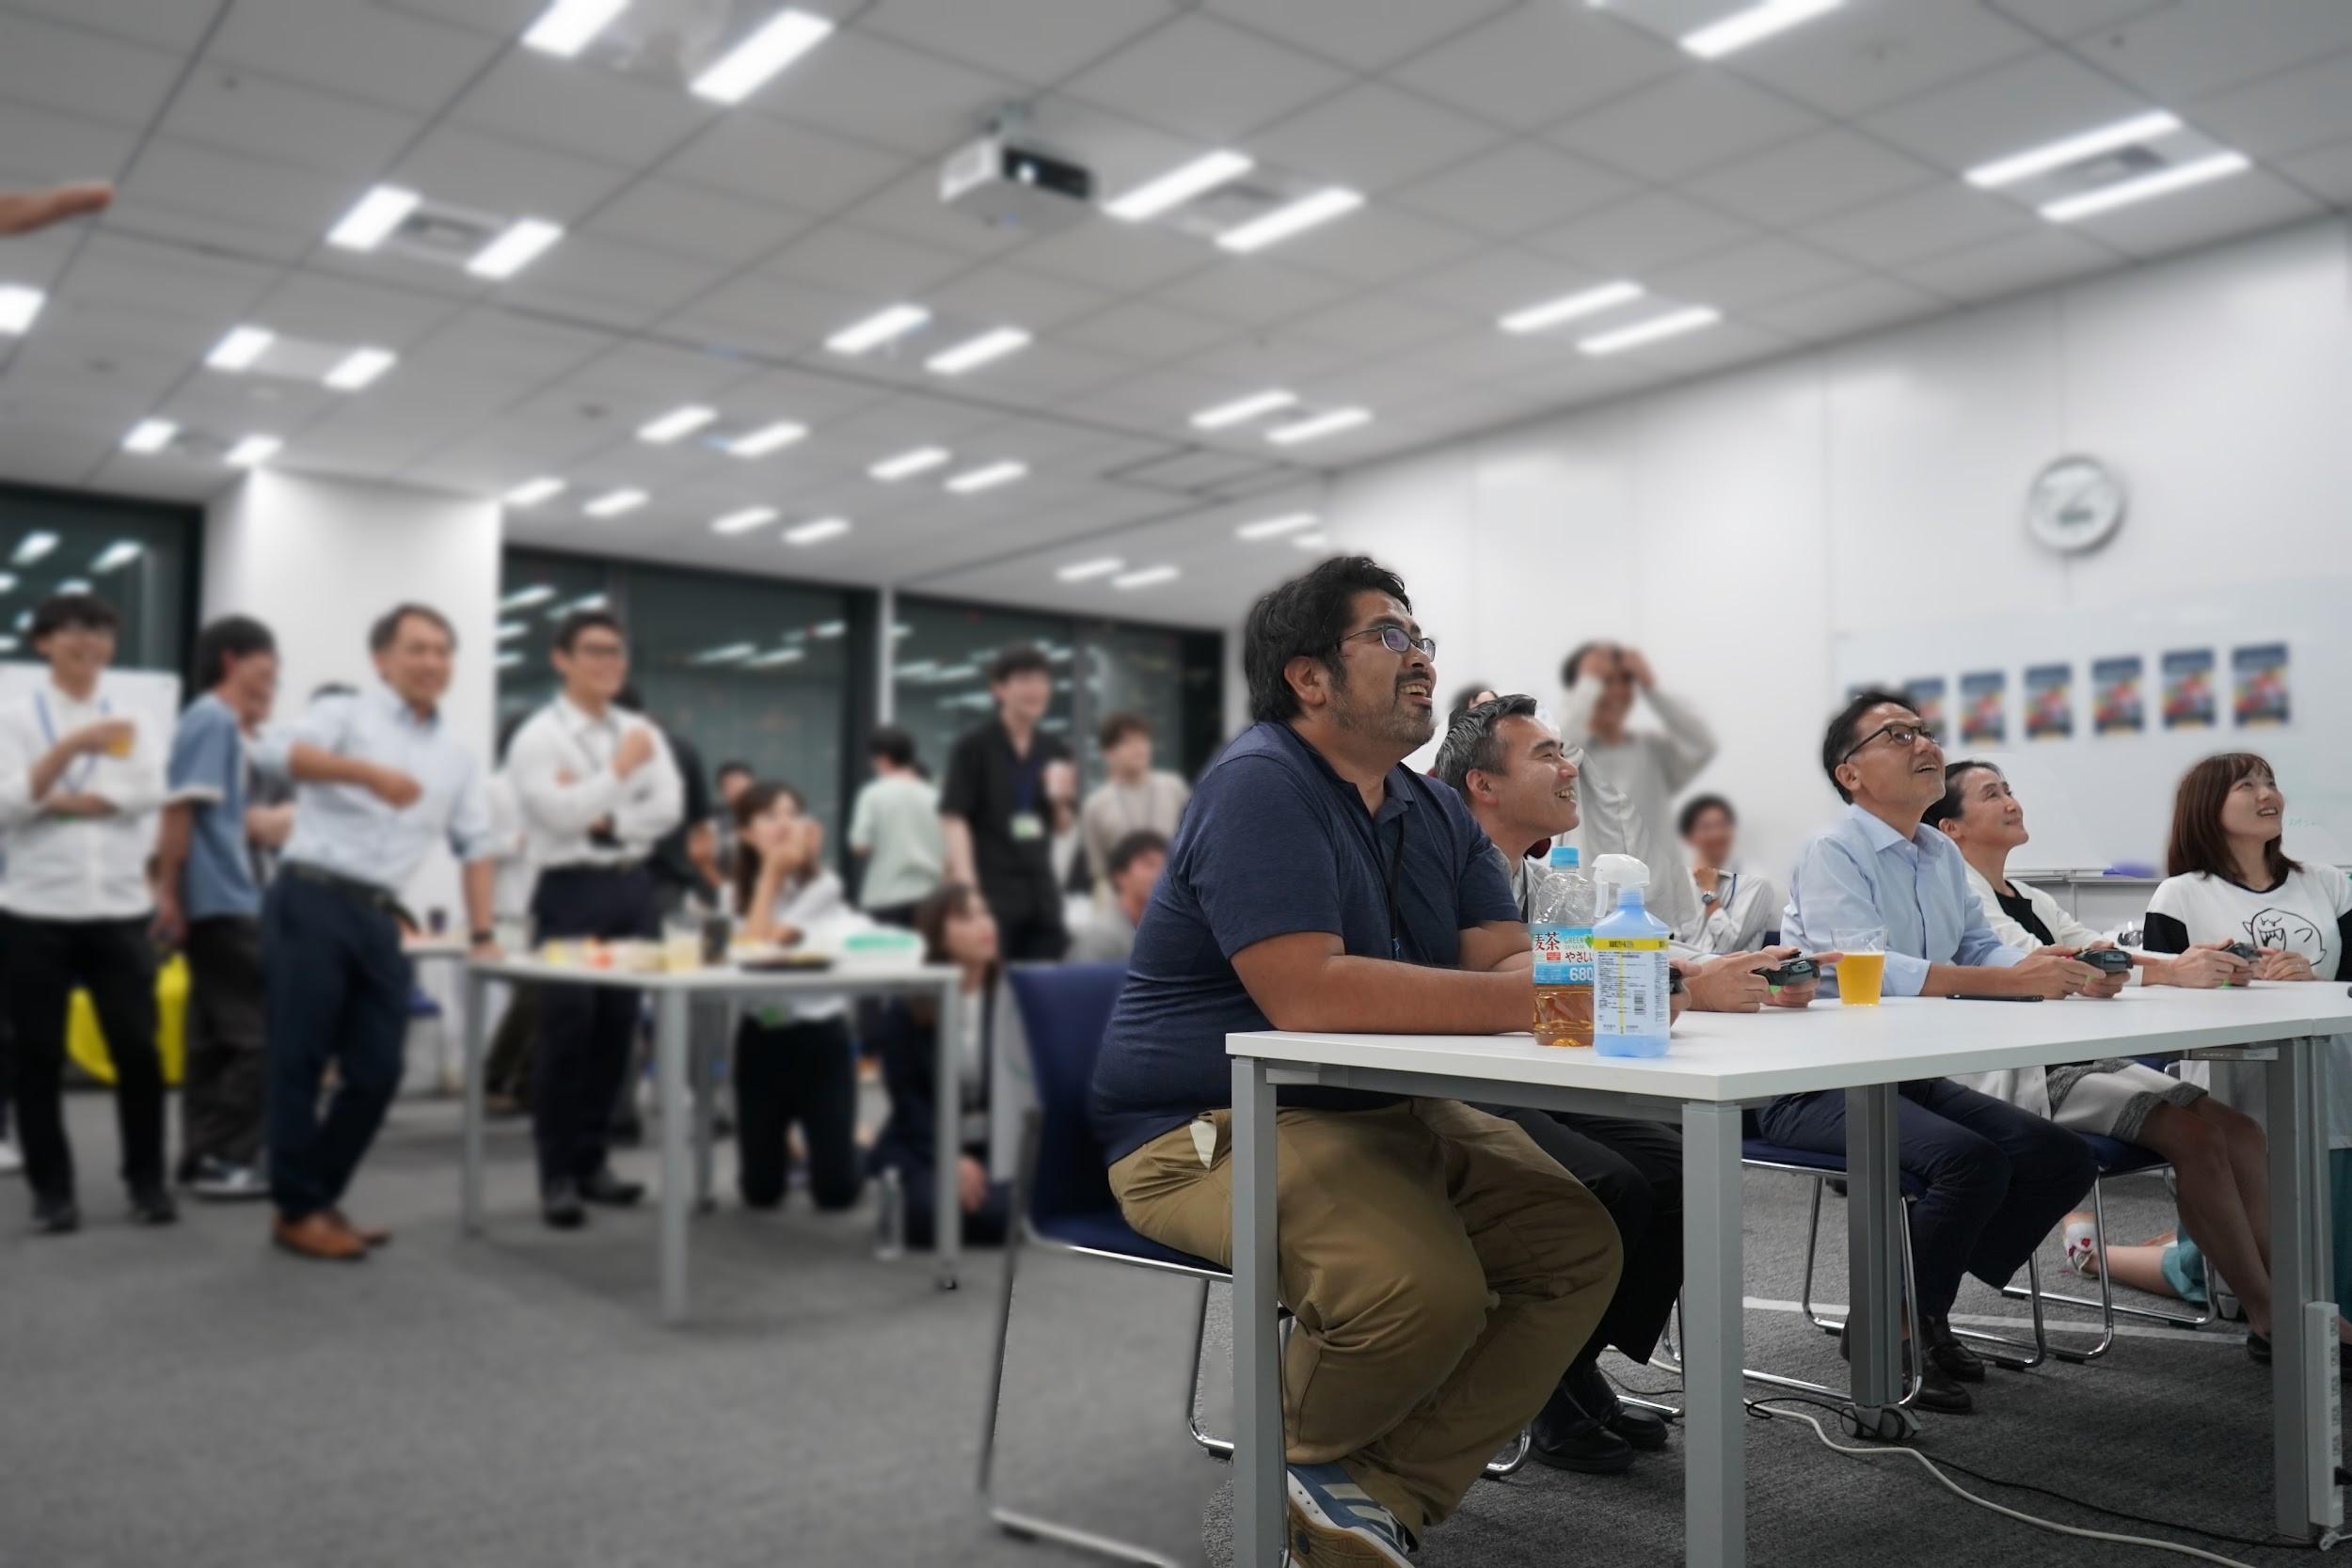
(749, 807)
(2198, 842)
(947, 902)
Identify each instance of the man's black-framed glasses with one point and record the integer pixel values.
(1396, 639)
(1902, 735)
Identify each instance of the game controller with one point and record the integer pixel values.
(2111, 960)
(2243, 950)
(1790, 973)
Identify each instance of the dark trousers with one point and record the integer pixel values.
(508, 1070)
(986, 1226)
(1635, 1169)
(336, 989)
(111, 959)
(224, 1093)
(803, 1072)
(585, 1031)
(1998, 1178)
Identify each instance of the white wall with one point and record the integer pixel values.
(1734, 527)
(319, 559)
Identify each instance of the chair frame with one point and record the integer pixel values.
(2105, 1303)
(1916, 1377)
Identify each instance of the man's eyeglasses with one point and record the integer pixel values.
(1397, 639)
(1900, 735)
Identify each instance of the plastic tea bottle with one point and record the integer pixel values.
(1631, 1005)
(1563, 933)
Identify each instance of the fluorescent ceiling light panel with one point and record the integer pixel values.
(743, 521)
(149, 436)
(253, 451)
(530, 492)
(1319, 425)
(370, 222)
(241, 348)
(1080, 571)
(1274, 528)
(1180, 185)
(1753, 25)
(908, 464)
(359, 368)
(33, 545)
(830, 629)
(676, 423)
(18, 304)
(516, 248)
(1586, 303)
(120, 553)
(523, 598)
(2071, 149)
(976, 352)
(2163, 183)
(972, 482)
(509, 631)
(1283, 222)
(1672, 324)
(727, 653)
(74, 585)
(743, 69)
(8, 581)
(1147, 577)
(1311, 542)
(613, 503)
(767, 438)
(1242, 409)
(566, 27)
(781, 655)
(823, 529)
(509, 660)
(877, 329)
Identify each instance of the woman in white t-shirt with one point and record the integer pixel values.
(2230, 881)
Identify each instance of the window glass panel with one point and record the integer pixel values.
(131, 554)
(938, 670)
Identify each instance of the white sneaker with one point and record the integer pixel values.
(11, 1162)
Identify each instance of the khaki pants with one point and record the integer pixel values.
(1442, 1269)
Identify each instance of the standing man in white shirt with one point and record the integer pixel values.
(598, 790)
(1646, 768)
(895, 831)
(378, 778)
(79, 787)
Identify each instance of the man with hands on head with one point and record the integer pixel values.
(1644, 770)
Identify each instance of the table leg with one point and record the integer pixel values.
(669, 1044)
(947, 1199)
(1259, 1478)
(477, 989)
(2302, 1268)
(1714, 1486)
(1874, 1207)
(699, 1061)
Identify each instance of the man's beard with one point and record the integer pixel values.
(1407, 728)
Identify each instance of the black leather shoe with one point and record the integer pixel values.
(1642, 1429)
(2258, 1348)
(609, 1190)
(153, 1206)
(1565, 1438)
(559, 1205)
(56, 1216)
(1938, 1389)
(1946, 1349)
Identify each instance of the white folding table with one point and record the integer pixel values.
(1720, 1063)
(673, 995)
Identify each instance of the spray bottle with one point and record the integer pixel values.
(1630, 1005)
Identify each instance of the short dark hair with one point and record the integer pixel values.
(1576, 657)
(1134, 846)
(1021, 658)
(1951, 804)
(1471, 744)
(333, 689)
(732, 765)
(2196, 842)
(1118, 726)
(1698, 806)
(568, 630)
(230, 637)
(892, 744)
(387, 628)
(61, 610)
(1839, 737)
(1306, 617)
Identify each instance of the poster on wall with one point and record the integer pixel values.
(1926, 696)
(2188, 688)
(2049, 701)
(1984, 708)
(2116, 704)
(2262, 685)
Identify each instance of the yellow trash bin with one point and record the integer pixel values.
(86, 1044)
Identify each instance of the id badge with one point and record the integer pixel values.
(1028, 827)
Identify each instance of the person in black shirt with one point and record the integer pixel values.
(1005, 783)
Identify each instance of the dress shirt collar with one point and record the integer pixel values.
(578, 717)
(396, 707)
(1882, 836)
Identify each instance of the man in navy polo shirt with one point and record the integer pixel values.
(1443, 1270)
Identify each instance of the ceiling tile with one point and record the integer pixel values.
(608, 284)
(873, 89)
(1364, 35)
(1036, 42)
(1940, 217)
(762, 314)
(1682, 124)
(2067, 19)
(42, 147)
(1861, 56)
(244, 111)
(1148, 330)
(1809, 178)
(363, 48)
(870, 266)
(174, 26)
(506, 179)
(1202, 78)
(1373, 138)
(909, 209)
(1513, 190)
(693, 220)
(1536, 63)
(584, 109)
(1766, 269)
(2289, 113)
(1376, 246)
(491, 342)
(1857, 305)
(2194, 48)
(319, 308)
(1012, 296)
(2031, 261)
(1497, 281)
(2326, 171)
(1253, 291)
(1119, 256)
(240, 205)
(755, 156)
(1642, 234)
(85, 73)
(1377, 325)
(2240, 204)
(2006, 110)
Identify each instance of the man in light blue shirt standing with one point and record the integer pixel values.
(1997, 1177)
(379, 778)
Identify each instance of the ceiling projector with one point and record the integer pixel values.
(1007, 185)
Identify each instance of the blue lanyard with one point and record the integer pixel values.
(77, 775)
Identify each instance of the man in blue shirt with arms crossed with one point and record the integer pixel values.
(1441, 1268)
(1998, 1178)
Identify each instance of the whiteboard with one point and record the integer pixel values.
(2094, 799)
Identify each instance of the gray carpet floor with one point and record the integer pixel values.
(189, 1398)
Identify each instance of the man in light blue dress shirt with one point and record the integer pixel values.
(380, 777)
(1997, 1177)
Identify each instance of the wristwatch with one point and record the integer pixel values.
(480, 937)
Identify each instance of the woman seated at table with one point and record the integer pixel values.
(794, 1060)
(2230, 881)
(2219, 1154)
(956, 929)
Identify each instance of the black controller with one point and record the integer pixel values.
(1790, 973)
(2114, 960)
